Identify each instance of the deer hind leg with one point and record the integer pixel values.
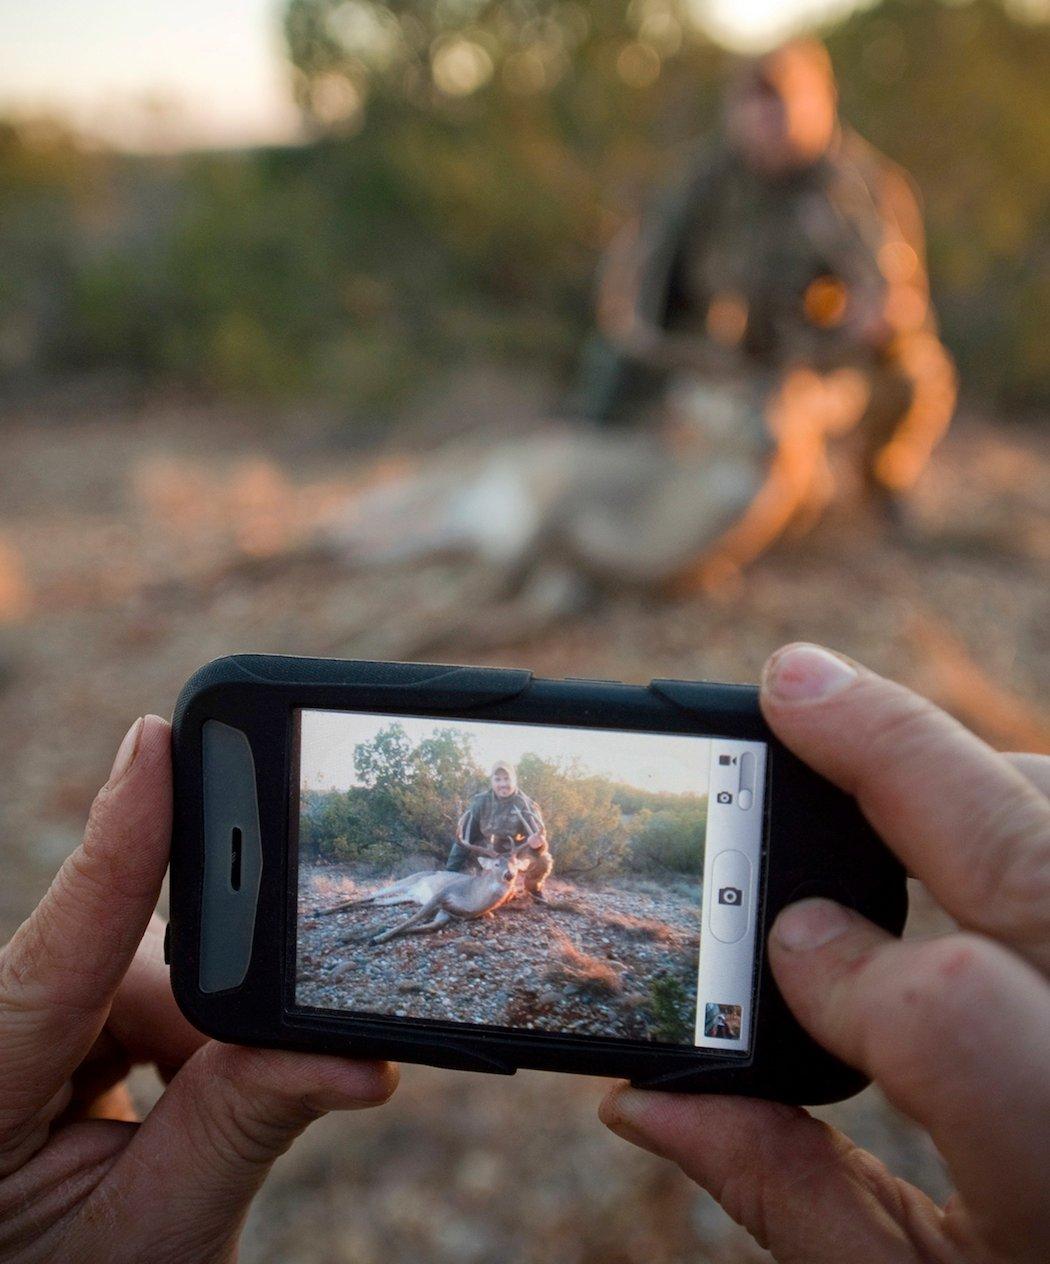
(395, 893)
(425, 914)
(436, 923)
(340, 908)
(385, 898)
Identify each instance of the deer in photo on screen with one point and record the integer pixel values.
(444, 895)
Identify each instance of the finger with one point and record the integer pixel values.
(801, 1188)
(959, 815)
(223, 1120)
(144, 1025)
(144, 1018)
(954, 1030)
(60, 971)
(1035, 767)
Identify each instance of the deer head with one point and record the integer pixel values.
(505, 868)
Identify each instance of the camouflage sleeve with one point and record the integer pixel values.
(636, 275)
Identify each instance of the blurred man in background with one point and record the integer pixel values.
(791, 257)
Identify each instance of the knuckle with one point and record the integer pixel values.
(900, 733)
(948, 976)
(902, 1203)
(930, 1010)
(1008, 884)
(252, 1123)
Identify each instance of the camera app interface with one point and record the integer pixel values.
(588, 882)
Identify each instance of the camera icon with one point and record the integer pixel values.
(730, 895)
(723, 796)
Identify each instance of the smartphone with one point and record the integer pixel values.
(479, 869)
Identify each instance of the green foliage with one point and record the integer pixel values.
(470, 162)
(672, 1008)
(671, 838)
(959, 94)
(583, 823)
(409, 798)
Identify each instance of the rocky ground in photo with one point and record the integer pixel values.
(613, 959)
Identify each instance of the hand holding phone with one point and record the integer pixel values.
(355, 870)
(954, 1029)
(85, 996)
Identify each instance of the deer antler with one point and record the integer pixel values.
(479, 851)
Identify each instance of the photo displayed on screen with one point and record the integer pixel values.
(531, 877)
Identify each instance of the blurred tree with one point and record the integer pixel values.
(522, 129)
(325, 818)
(472, 158)
(444, 773)
(959, 94)
(408, 797)
(511, 125)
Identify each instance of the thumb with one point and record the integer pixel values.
(59, 972)
(212, 1137)
(801, 1188)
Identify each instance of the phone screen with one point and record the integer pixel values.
(589, 882)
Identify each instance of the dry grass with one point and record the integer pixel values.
(328, 892)
(642, 928)
(571, 965)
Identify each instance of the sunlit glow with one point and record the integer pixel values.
(151, 75)
(727, 319)
(638, 64)
(753, 25)
(163, 76)
(460, 66)
(657, 24)
(371, 33)
(337, 100)
(898, 261)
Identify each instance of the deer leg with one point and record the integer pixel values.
(435, 924)
(425, 913)
(385, 895)
(339, 908)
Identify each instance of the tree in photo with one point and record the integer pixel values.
(584, 825)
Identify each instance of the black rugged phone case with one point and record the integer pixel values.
(816, 843)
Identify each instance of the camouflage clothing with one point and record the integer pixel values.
(502, 824)
(744, 275)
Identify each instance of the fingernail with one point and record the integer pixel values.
(806, 673)
(811, 924)
(126, 752)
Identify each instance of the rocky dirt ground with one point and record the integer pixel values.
(586, 962)
(141, 536)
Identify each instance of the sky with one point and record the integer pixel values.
(167, 74)
(662, 762)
